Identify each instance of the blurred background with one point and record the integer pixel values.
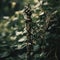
(45, 29)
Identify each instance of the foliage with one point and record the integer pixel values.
(45, 29)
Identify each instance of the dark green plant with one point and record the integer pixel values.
(44, 31)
